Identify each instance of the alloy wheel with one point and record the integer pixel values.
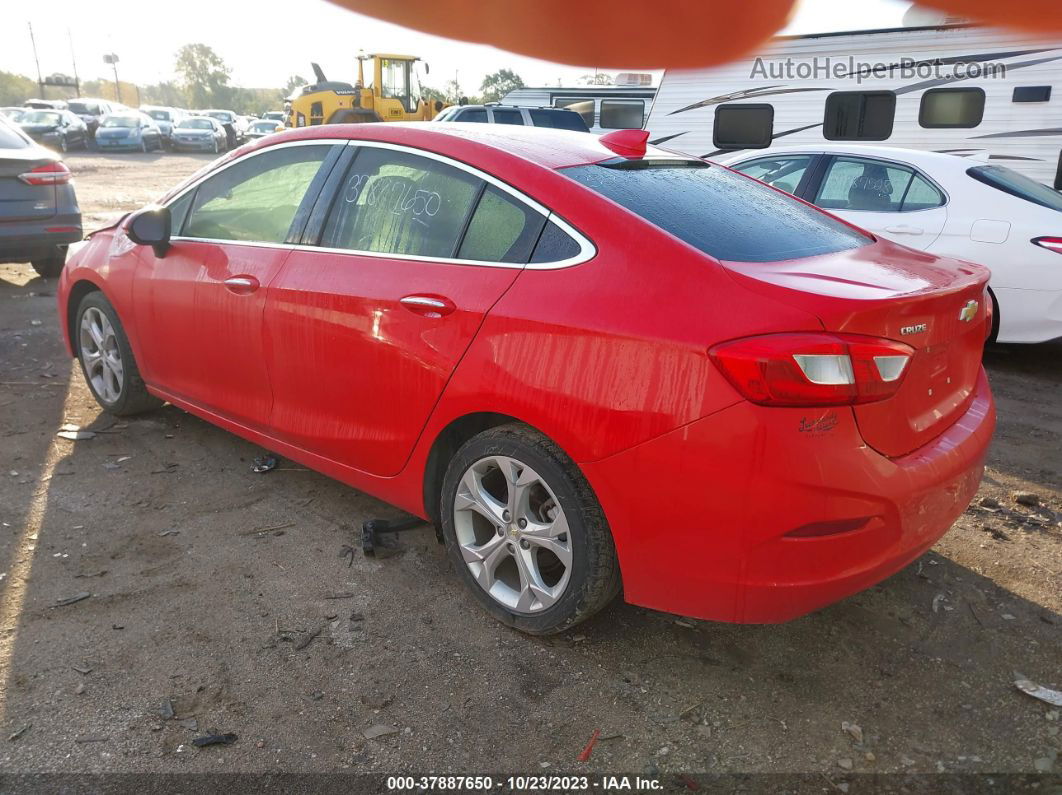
(101, 355)
(513, 534)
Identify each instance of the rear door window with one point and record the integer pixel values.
(584, 106)
(399, 203)
(507, 116)
(557, 119)
(501, 230)
(475, 115)
(717, 211)
(852, 183)
(256, 198)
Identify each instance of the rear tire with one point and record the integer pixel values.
(107, 360)
(525, 532)
(52, 265)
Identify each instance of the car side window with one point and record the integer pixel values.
(399, 203)
(477, 115)
(507, 116)
(554, 245)
(255, 199)
(179, 212)
(783, 173)
(921, 195)
(501, 230)
(871, 185)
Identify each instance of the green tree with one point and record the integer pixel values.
(597, 79)
(204, 76)
(166, 93)
(497, 85)
(15, 88)
(293, 83)
(452, 91)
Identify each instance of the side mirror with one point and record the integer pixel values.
(151, 227)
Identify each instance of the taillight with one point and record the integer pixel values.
(1050, 243)
(808, 369)
(49, 174)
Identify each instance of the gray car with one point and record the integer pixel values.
(199, 134)
(39, 216)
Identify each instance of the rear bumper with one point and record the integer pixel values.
(37, 240)
(700, 515)
(117, 143)
(193, 146)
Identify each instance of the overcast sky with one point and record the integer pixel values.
(264, 46)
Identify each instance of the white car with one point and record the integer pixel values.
(960, 207)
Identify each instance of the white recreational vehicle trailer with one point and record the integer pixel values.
(602, 108)
(960, 89)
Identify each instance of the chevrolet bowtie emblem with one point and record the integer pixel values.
(968, 312)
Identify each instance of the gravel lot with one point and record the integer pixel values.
(207, 582)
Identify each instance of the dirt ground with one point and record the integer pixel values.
(207, 582)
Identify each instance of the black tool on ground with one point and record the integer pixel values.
(370, 532)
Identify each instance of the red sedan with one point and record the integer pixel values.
(593, 364)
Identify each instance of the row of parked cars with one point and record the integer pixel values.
(109, 126)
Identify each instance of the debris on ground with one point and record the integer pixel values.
(1027, 498)
(166, 710)
(264, 463)
(74, 433)
(19, 732)
(313, 633)
(82, 669)
(584, 756)
(853, 730)
(379, 730)
(214, 739)
(69, 600)
(1045, 694)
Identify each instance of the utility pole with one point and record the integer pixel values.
(73, 60)
(112, 59)
(33, 41)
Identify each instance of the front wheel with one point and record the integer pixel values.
(217, 147)
(525, 532)
(107, 360)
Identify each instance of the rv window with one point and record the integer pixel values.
(1031, 94)
(622, 114)
(859, 115)
(1017, 184)
(783, 173)
(584, 106)
(743, 126)
(952, 107)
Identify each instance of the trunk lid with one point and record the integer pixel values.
(933, 304)
(18, 201)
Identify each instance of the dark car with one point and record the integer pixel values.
(39, 216)
(199, 134)
(91, 111)
(491, 113)
(57, 128)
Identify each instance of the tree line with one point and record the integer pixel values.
(202, 79)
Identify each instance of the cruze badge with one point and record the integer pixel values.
(969, 312)
(918, 329)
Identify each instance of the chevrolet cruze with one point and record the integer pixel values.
(595, 365)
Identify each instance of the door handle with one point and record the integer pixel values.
(241, 285)
(903, 229)
(428, 305)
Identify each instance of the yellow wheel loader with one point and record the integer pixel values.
(393, 95)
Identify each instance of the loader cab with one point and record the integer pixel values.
(398, 90)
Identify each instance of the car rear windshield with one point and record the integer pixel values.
(119, 121)
(1018, 185)
(558, 119)
(10, 139)
(40, 117)
(159, 115)
(195, 124)
(83, 108)
(725, 215)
